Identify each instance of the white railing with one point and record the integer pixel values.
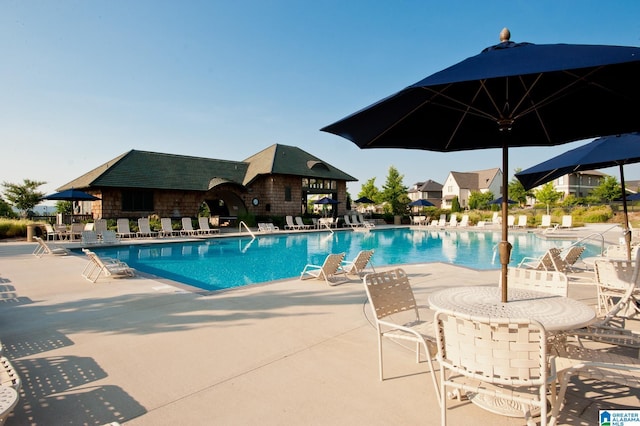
(246, 227)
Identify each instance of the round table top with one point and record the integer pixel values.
(553, 312)
(8, 400)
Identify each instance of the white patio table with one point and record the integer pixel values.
(555, 313)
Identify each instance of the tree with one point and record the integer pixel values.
(23, 197)
(480, 200)
(370, 190)
(6, 210)
(608, 190)
(455, 205)
(547, 195)
(395, 193)
(517, 191)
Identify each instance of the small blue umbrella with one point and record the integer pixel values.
(499, 201)
(364, 200)
(326, 200)
(421, 203)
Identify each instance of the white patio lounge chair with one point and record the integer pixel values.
(330, 271)
(52, 234)
(144, 228)
(167, 228)
(358, 265)
(187, 227)
(109, 237)
(90, 238)
(545, 222)
(567, 222)
(301, 224)
(347, 222)
(511, 221)
(124, 231)
(549, 261)
(204, 228)
(494, 358)
(108, 267)
(368, 223)
(464, 222)
(522, 221)
(48, 248)
(100, 226)
(453, 220)
(289, 223)
(398, 318)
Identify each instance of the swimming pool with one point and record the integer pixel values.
(221, 263)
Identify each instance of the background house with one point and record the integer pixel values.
(462, 184)
(578, 184)
(428, 190)
(274, 182)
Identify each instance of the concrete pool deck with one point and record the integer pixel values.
(143, 351)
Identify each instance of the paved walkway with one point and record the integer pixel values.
(143, 351)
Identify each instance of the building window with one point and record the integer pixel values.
(287, 193)
(313, 183)
(137, 201)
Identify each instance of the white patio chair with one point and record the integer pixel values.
(494, 358)
(48, 248)
(358, 265)
(144, 228)
(204, 228)
(330, 271)
(108, 267)
(124, 231)
(398, 318)
(552, 282)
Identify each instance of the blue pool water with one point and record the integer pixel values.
(221, 263)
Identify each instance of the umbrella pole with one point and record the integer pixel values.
(505, 247)
(627, 232)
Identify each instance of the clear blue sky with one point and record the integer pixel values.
(82, 82)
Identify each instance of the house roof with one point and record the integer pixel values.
(144, 169)
(290, 160)
(430, 185)
(480, 179)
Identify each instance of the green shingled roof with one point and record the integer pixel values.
(143, 169)
(290, 160)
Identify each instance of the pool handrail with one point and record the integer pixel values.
(247, 228)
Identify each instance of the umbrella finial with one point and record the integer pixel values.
(505, 35)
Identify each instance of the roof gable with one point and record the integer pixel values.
(291, 160)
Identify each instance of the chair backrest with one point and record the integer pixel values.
(546, 220)
(89, 237)
(505, 351)
(289, 220)
(347, 220)
(165, 222)
(390, 293)
(186, 224)
(144, 226)
(573, 254)
(465, 220)
(100, 226)
(494, 218)
(332, 264)
(522, 220)
(123, 226)
(88, 226)
(553, 282)
(203, 223)
(299, 221)
(49, 228)
(77, 228)
(453, 220)
(511, 220)
(567, 221)
(109, 236)
(362, 259)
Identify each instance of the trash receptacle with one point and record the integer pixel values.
(31, 231)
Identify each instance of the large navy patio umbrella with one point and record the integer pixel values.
(70, 195)
(607, 151)
(510, 94)
(326, 200)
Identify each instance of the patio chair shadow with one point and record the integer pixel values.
(95, 405)
(22, 345)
